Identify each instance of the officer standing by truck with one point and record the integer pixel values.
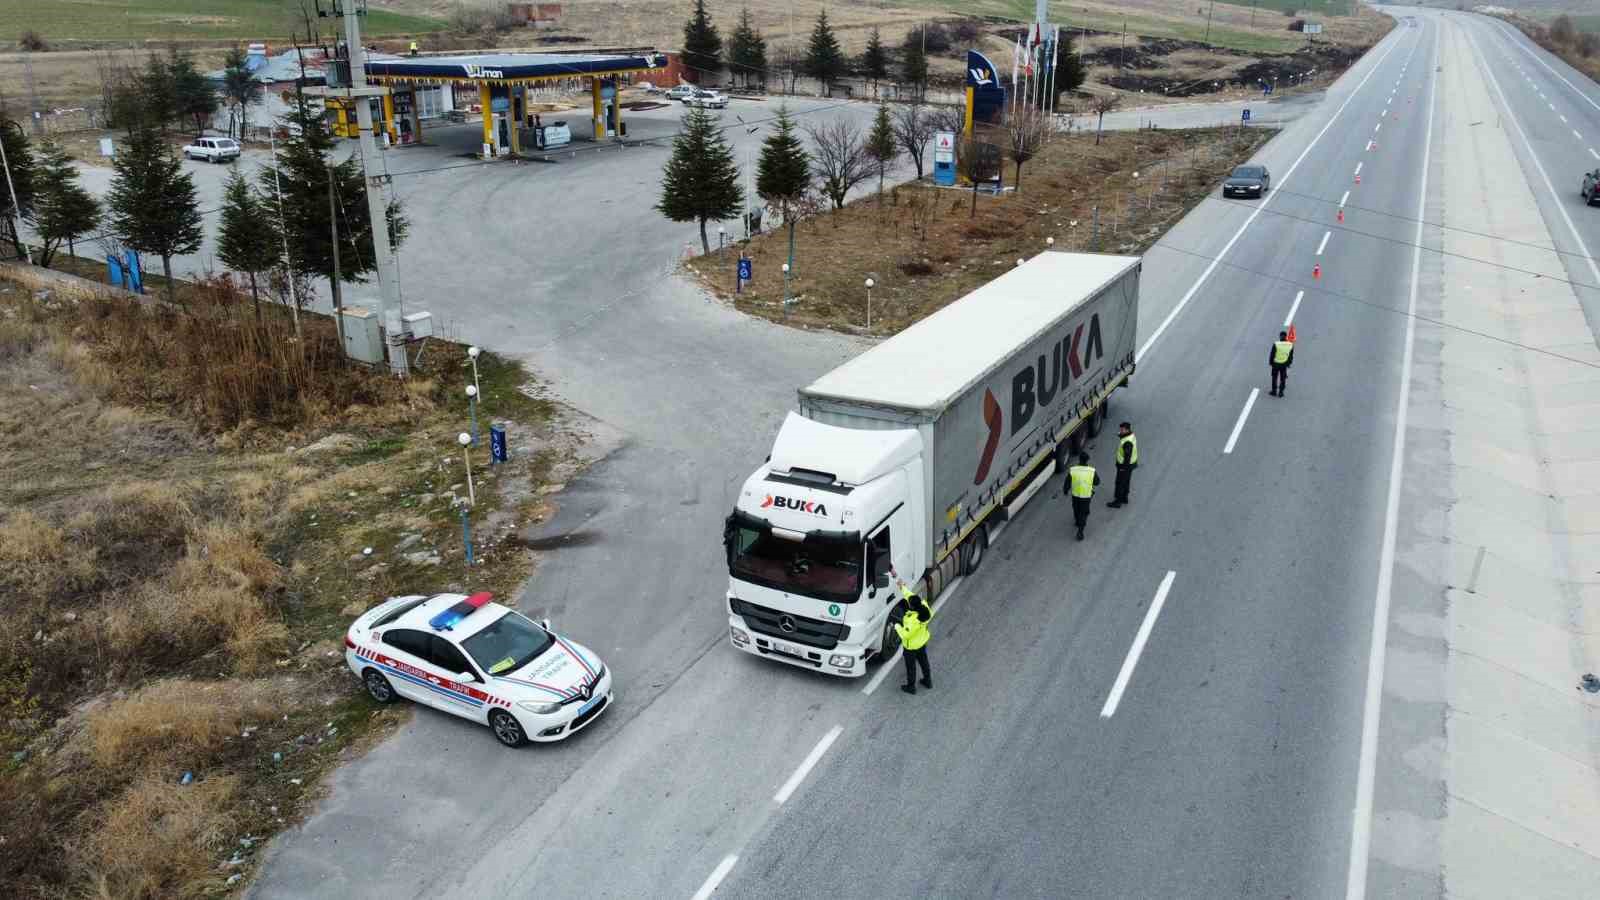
(914, 634)
(1127, 461)
(1280, 357)
(1081, 480)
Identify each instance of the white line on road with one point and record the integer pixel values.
(1343, 199)
(1324, 245)
(1293, 309)
(1594, 154)
(807, 765)
(1110, 709)
(889, 664)
(1217, 261)
(1506, 29)
(1358, 167)
(1377, 127)
(1552, 107)
(1564, 120)
(1576, 134)
(1239, 425)
(716, 876)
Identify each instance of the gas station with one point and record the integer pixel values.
(502, 82)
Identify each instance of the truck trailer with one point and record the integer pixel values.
(907, 457)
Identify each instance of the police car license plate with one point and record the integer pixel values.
(590, 705)
(790, 649)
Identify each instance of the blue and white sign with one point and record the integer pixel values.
(1246, 115)
(988, 94)
(747, 269)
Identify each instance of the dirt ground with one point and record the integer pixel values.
(923, 248)
(173, 589)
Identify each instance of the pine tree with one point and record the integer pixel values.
(701, 181)
(702, 45)
(157, 96)
(783, 174)
(154, 207)
(62, 209)
(747, 50)
(824, 59)
(914, 65)
(881, 143)
(1069, 73)
(240, 89)
(249, 241)
(19, 158)
(756, 60)
(193, 96)
(875, 61)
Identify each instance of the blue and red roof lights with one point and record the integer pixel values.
(451, 617)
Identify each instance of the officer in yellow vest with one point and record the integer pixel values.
(1280, 358)
(1081, 480)
(413, 48)
(1127, 461)
(913, 631)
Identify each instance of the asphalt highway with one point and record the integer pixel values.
(1174, 707)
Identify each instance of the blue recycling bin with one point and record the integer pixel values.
(497, 442)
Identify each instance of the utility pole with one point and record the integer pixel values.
(1213, 6)
(359, 93)
(283, 232)
(333, 224)
(33, 94)
(11, 189)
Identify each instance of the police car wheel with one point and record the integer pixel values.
(378, 686)
(507, 730)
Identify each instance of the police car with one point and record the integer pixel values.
(476, 659)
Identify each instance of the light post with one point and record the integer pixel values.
(869, 304)
(1049, 243)
(722, 234)
(465, 440)
(472, 354)
(786, 290)
(472, 404)
(1019, 260)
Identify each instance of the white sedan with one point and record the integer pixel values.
(476, 659)
(708, 100)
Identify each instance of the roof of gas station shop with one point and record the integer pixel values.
(510, 66)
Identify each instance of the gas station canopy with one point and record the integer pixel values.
(509, 67)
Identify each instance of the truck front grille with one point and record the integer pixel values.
(812, 632)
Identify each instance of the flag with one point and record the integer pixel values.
(1016, 63)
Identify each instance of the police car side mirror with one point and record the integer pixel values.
(465, 677)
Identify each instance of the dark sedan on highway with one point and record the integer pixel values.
(1247, 181)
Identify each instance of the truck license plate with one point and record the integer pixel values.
(790, 649)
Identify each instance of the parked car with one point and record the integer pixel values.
(1591, 187)
(212, 149)
(682, 92)
(1247, 180)
(708, 100)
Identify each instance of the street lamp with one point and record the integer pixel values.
(472, 404)
(786, 290)
(869, 303)
(1049, 243)
(1019, 260)
(722, 234)
(472, 354)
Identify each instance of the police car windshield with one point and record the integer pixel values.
(824, 568)
(507, 645)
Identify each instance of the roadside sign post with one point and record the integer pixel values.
(1245, 116)
(746, 269)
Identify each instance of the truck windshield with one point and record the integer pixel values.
(824, 568)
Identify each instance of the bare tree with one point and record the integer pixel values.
(1101, 105)
(913, 129)
(1025, 135)
(839, 158)
(978, 161)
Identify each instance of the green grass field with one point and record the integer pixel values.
(1181, 20)
(103, 20)
(1587, 23)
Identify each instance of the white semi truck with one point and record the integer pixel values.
(910, 455)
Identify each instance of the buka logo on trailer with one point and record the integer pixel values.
(805, 506)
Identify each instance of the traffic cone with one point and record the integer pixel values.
(1341, 216)
(1358, 178)
(1316, 272)
(1291, 334)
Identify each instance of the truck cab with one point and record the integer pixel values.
(812, 539)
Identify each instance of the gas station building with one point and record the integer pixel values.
(502, 81)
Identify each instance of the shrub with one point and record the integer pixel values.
(33, 41)
(158, 838)
(176, 725)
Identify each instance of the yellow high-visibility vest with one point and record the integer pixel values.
(1281, 351)
(1082, 481)
(1128, 451)
(913, 632)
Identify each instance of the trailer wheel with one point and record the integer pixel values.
(1092, 425)
(973, 548)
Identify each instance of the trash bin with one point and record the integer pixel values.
(497, 442)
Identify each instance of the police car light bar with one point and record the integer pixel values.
(449, 618)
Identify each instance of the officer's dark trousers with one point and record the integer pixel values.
(1080, 511)
(1124, 482)
(914, 658)
(1280, 377)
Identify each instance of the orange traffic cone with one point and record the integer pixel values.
(1341, 216)
(1291, 334)
(1316, 272)
(1358, 178)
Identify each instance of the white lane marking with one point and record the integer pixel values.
(1294, 309)
(1594, 154)
(716, 876)
(1564, 120)
(1576, 134)
(1552, 106)
(950, 592)
(810, 762)
(1324, 245)
(1376, 127)
(1506, 30)
(1370, 145)
(1239, 425)
(1217, 261)
(1132, 660)
(1343, 199)
(1358, 168)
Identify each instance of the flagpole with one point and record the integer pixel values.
(1055, 55)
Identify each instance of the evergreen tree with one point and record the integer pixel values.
(701, 181)
(1069, 68)
(914, 64)
(240, 89)
(783, 174)
(747, 50)
(249, 241)
(881, 144)
(875, 61)
(154, 208)
(62, 209)
(157, 96)
(824, 59)
(756, 60)
(702, 45)
(193, 96)
(19, 158)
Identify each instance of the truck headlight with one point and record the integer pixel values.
(738, 635)
(841, 662)
(540, 709)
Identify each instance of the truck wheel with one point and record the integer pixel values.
(1092, 425)
(891, 638)
(973, 548)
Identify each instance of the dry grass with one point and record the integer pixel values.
(923, 249)
(156, 839)
(177, 725)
